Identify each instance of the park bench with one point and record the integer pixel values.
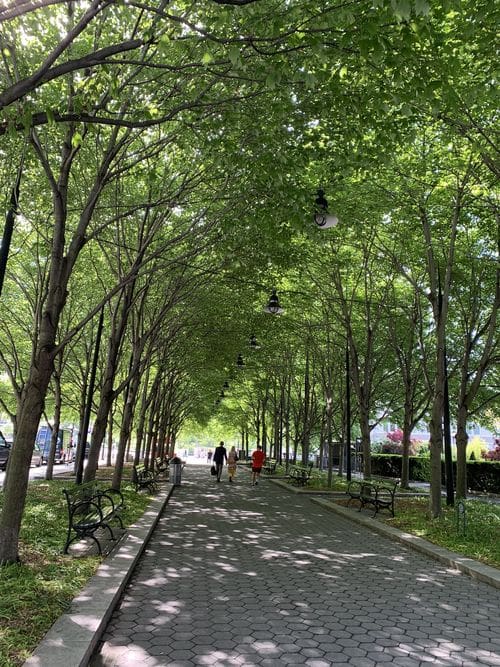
(270, 467)
(380, 495)
(142, 478)
(300, 475)
(161, 466)
(91, 507)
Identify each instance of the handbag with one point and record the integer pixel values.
(213, 470)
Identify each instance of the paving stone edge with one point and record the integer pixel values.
(469, 566)
(73, 638)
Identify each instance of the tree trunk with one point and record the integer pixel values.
(109, 452)
(307, 406)
(126, 427)
(107, 395)
(462, 439)
(329, 439)
(49, 472)
(16, 483)
(405, 460)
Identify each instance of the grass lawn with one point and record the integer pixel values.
(36, 591)
(480, 540)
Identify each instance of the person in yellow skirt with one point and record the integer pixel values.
(232, 458)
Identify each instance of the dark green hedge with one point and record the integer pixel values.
(389, 465)
(482, 476)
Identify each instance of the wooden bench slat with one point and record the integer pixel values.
(143, 478)
(380, 495)
(300, 475)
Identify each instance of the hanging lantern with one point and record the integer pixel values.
(273, 305)
(321, 216)
(253, 343)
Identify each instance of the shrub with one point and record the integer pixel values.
(422, 449)
(395, 436)
(393, 446)
(390, 447)
(493, 455)
(475, 448)
(376, 447)
(483, 476)
(389, 465)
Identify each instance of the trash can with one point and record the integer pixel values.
(175, 466)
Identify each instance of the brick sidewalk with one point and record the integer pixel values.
(242, 575)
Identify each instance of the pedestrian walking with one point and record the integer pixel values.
(232, 458)
(220, 455)
(258, 458)
(209, 456)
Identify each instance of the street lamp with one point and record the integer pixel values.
(273, 305)
(253, 343)
(321, 216)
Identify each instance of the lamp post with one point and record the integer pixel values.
(324, 220)
(348, 413)
(273, 305)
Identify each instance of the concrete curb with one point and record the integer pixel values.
(304, 491)
(486, 573)
(72, 639)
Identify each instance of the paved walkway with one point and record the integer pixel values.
(242, 575)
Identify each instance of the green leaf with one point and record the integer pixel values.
(26, 119)
(207, 58)
(164, 43)
(402, 9)
(309, 80)
(422, 8)
(76, 140)
(234, 55)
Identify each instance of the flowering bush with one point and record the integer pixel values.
(395, 436)
(493, 454)
(394, 443)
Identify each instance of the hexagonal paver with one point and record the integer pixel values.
(251, 576)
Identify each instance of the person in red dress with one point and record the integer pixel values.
(258, 458)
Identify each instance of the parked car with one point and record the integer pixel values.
(5, 448)
(4, 452)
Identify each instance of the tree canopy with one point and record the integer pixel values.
(169, 156)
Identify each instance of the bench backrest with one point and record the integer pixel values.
(86, 498)
(138, 471)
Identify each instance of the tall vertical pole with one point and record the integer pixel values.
(448, 463)
(348, 412)
(9, 226)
